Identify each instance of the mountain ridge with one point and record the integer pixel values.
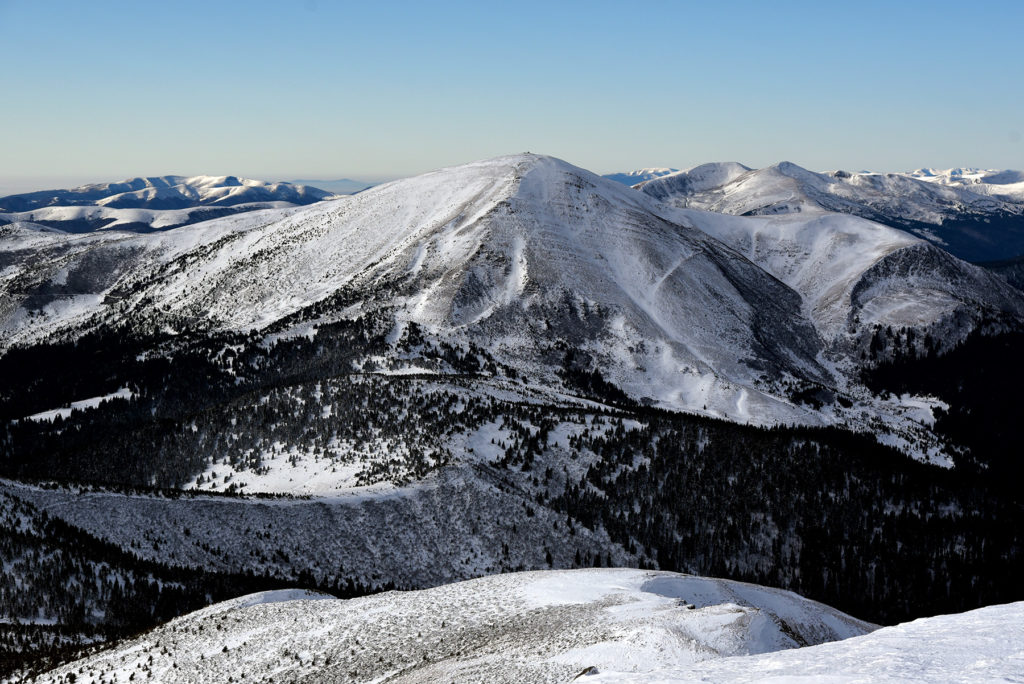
(971, 225)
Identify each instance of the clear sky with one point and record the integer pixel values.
(317, 89)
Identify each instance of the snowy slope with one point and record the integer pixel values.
(984, 645)
(854, 275)
(537, 627)
(696, 179)
(456, 524)
(165, 192)
(973, 221)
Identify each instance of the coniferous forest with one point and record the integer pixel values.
(827, 513)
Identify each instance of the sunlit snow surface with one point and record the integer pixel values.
(123, 393)
(1002, 184)
(525, 627)
(603, 625)
(783, 188)
(984, 645)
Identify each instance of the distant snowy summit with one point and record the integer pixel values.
(1000, 183)
(152, 203)
(640, 175)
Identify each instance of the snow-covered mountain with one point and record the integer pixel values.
(537, 626)
(518, 254)
(151, 204)
(512, 364)
(971, 224)
(527, 256)
(639, 175)
(166, 192)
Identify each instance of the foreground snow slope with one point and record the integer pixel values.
(984, 645)
(536, 626)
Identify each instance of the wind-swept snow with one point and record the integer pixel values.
(984, 645)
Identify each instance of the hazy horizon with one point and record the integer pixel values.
(345, 90)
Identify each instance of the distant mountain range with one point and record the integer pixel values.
(153, 203)
(640, 175)
(1003, 184)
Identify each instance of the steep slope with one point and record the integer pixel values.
(857, 277)
(697, 179)
(538, 627)
(165, 192)
(972, 225)
(526, 255)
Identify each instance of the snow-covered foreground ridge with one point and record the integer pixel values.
(544, 626)
(983, 645)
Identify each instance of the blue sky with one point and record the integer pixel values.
(318, 89)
